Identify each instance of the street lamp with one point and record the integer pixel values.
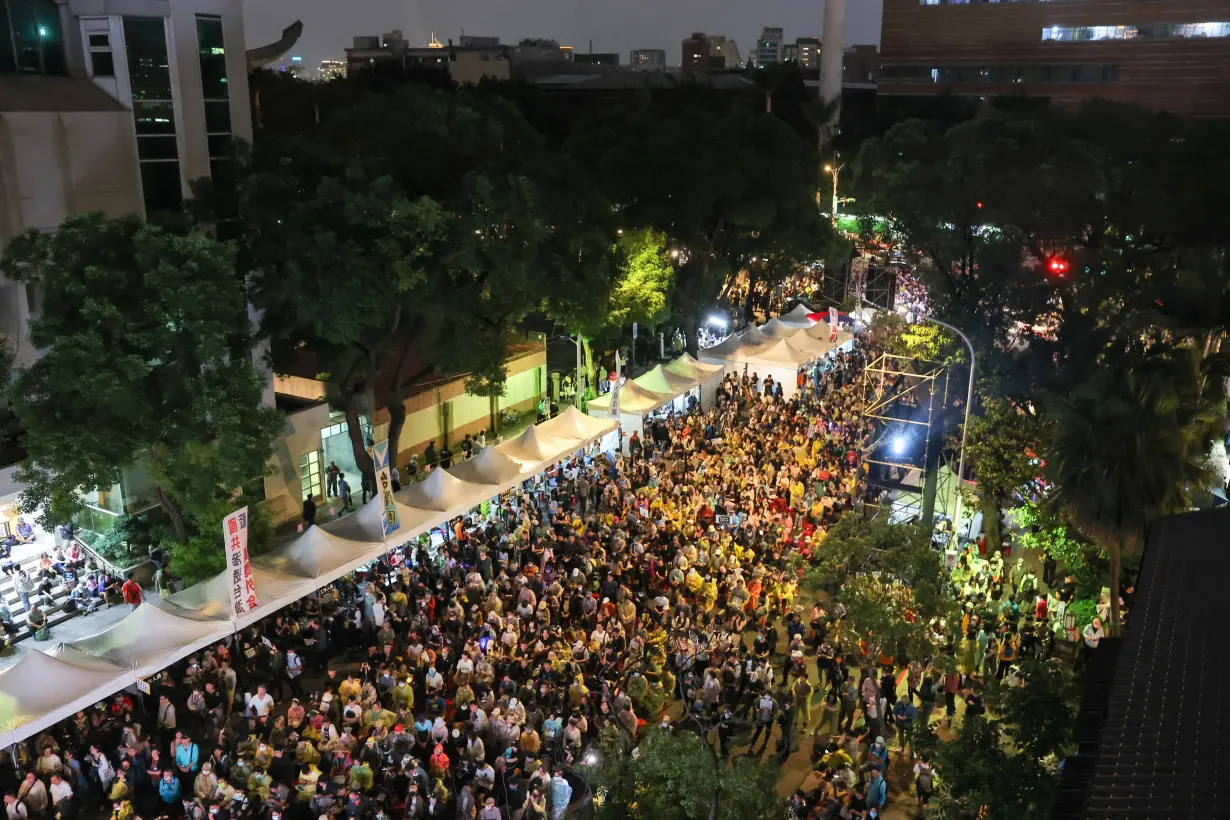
(834, 169)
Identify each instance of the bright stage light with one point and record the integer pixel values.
(899, 444)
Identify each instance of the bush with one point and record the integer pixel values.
(128, 541)
(1084, 610)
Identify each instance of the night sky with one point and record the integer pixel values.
(612, 25)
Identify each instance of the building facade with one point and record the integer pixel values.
(694, 58)
(807, 52)
(647, 59)
(1162, 54)
(769, 47)
(331, 70)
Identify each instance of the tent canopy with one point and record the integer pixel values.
(633, 399)
(152, 637)
(661, 380)
(777, 329)
(534, 447)
(783, 353)
(319, 554)
(572, 423)
(41, 689)
(737, 346)
(213, 597)
(441, 491)
(490, 466)
(799, 316)
(688, 365)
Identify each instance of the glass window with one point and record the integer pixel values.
(154, 117)
(162, 186)
(212, 55)
(100, 40)
(102, 63)
(220, 146)
(148, 71)
(31, 40)
(217, 117)
(310, 475)
(157, 148)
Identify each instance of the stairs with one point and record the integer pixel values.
(53, 606)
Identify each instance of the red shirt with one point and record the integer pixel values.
(132, 592)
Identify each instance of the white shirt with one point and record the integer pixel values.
(60, 791)
(261, 705)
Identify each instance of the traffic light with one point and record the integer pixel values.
(1057, 266)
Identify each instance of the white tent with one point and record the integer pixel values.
(41, 689)
(320, 555)
(709, 375)
(443, 492)
(537, 449)
(635, 402)
(661, 380)
(491, 466)
(777, 329)
(821, 331)
(798, 316)
(734, 348)
(152, 637)
(274, 588)
(572, 423)
(782, 361)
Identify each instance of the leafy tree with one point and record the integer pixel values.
(675, 776)
(412, 234)
(889, 579)
(1130, 445)
(146, 359)
(1002, 447)
(723, 186)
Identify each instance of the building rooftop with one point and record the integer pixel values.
(42, 92)
(1165, 746)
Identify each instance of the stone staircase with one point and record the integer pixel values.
(52, 606)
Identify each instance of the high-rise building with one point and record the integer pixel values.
(695, 56)
(1162, 54)
(790, 51)
(769, 47)
(860, 64)
(647, 59)
(331, 70)
(807, 51)
(726, 48)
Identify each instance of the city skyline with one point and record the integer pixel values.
(635, 24)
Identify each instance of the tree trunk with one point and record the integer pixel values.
(1116, 549)
(358, 447)
(173, 512)
(397, 421)
(591, 374)
(691, 343)
(990, 523)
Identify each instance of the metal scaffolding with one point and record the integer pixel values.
(906, 400)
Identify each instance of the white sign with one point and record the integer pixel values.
(239, 567)
(384, 485)
(634, 331)
(832, 324)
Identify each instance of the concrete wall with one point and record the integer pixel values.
(527, 382)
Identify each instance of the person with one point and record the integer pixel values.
(309, 512)
(132, 591)
(37, 621)
(332, 473)
(877, 790)
(343, 491)
(15, 809)
(164, 581)
(168, 790)
(23, 532)
(61, 796)
(1092, 636)
(561, 795)
(924, 783)
(33, 794)
(395, 478)
(25, 588)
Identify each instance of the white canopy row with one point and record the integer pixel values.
(665, 385)
(778, 348)
(42, 688)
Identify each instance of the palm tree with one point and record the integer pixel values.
(1129, 445)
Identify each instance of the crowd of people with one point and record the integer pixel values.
(470, 676)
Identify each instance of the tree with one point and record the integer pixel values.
(1130, 445)
(146, 360)
(1002, 447)
(387, 265)
(724, 187)
(675, 776)
(889, 579)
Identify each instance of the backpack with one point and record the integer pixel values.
(926, 780)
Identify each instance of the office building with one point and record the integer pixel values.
(790, 52)
(647, 59)
(695, 54)
(769, 47)
(1161, 54)
(726, 48)
(807, 52)
(860, 65)
(331, 70)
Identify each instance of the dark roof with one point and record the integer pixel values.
(1165, 748)
(39, 92)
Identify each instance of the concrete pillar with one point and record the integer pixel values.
(832, 48)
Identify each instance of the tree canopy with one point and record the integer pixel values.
(146, 360)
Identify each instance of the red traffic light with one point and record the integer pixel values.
(1057, 265)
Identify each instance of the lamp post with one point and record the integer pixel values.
(834, 169)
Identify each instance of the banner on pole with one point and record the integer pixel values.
(243, 588)
(832, 324)
(384, 485)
